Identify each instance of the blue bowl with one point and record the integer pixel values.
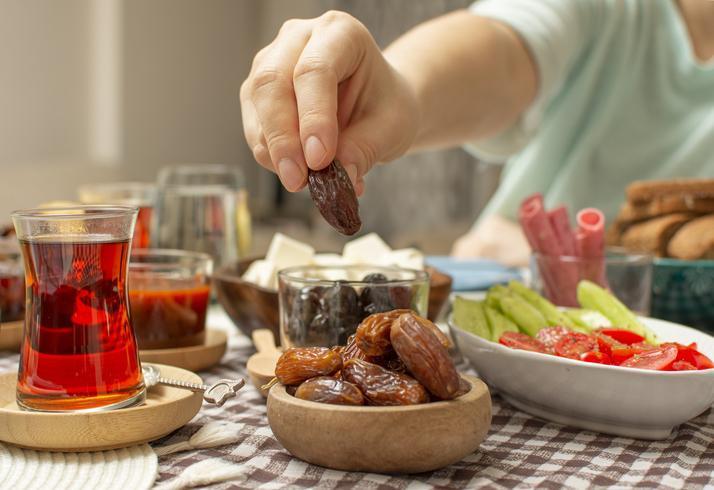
(683, 292)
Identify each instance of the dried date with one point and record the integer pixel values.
(376, 297)
(425, 356)
(373, 334)
(299, 364)
(443, 339)
(383, 387)
(330, 390)
(352, 351)
(334, 196)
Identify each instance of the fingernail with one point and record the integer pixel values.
(351, 170)
(290, 174)
(314, 151)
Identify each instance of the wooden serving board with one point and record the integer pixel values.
(193, 358)
(11, 335)
(166, 409)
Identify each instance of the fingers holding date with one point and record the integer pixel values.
(334, 196)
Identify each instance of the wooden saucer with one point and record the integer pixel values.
(166, 409)
(11, 335)
(193, 358)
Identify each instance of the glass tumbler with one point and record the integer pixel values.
(323, 305)
(169, 294)
(78, 351)
(228, 176)
(627, 276)
(139, 194)
(198, 218)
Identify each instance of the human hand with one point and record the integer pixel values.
(322, 90)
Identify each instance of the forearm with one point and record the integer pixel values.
(472, 77)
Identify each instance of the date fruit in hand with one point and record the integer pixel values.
(301, 363)
(425, 356)
(325, 389)
(383, 387)
(372, 334)
(335, 197)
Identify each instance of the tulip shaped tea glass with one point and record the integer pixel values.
(139, 194)
(78, 351)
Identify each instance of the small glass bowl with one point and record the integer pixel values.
(323, 305)
(627, 276)
(169, 293)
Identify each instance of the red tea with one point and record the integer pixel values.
(79, 350)
(12, 298)
(142, 228)
(168, 313)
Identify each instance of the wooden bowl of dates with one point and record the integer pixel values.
(388, 439)
(251, 307)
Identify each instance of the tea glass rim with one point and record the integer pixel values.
(121, 185)
(174, 253)
(198, 189)
(287, 274)
(616, 257)
(189, 169)
(79, 212)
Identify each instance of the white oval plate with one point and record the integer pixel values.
(616, 400)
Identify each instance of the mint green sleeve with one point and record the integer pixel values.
(556, 32)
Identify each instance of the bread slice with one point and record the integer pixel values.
(653, 235)
(643, 191)
(694, 240)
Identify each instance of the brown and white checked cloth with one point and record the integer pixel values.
(520, 451)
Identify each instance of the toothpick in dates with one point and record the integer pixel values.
(334, 196)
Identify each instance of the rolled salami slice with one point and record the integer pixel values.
(559, 279)
(560, 222)
(590, 245)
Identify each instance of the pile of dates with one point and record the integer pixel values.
(394, 358)
(319, 315)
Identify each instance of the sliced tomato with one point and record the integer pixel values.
(701, 361)
(551, 335)
(619, 355)
(683, 366)
(517, 340)
(574, 344)
(596, 357)
(623, 336)
(607, 344)
(658, 359)
(690, 354)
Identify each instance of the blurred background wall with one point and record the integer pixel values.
(100, 90)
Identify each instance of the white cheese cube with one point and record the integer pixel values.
(328, 260)
(334, 275)
(409, 258)
(287, 252)
(369, 249)
(261, 273)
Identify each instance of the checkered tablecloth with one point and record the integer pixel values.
(520, 451)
